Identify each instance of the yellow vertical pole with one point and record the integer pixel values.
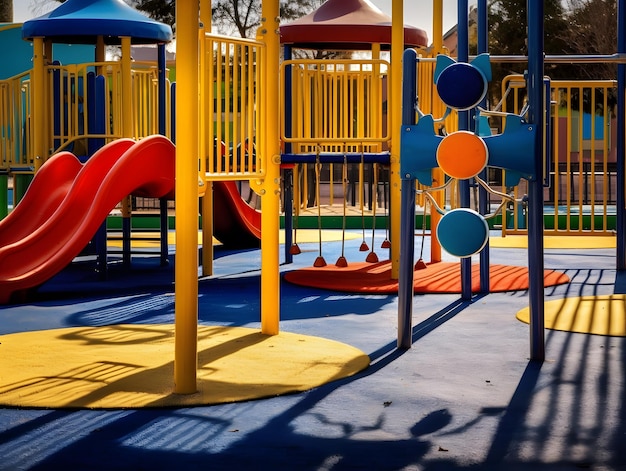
(395, 110)
(376, 112)
(127, 121)
(207, 199)
(186, 269)
(270, 192)
(438, 175)
(127, 89)
(437, 26)
(38, 115)
(46, 106)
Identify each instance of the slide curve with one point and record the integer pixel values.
(67, 202)
(41, 199)
(236, 224)
(73, 205)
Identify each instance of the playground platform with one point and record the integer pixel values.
(465, 397)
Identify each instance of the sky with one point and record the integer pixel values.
(416, 12)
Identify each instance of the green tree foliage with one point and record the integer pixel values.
(240, 17)
(592, 30)
(243, 17)
(160, 10)
(581, 27)
(508, 36)
(237, 16)
(6, 11)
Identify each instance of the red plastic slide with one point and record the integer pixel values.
(64, 225)
(235, 223)
(67, 201)
(41, 199)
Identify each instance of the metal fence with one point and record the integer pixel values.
(582, 190)
(232, 78)
(66, 110)
(335, 106)
(15, 136)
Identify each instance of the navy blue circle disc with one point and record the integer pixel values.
(461, 86)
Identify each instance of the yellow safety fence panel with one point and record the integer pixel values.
(146, 100)
(15, 133)
(69, 85)
(337, 105)
(232, 81)
(582, 193)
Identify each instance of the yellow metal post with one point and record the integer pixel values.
(395, 109)
(376, 117)
(207, 198)
(46, 106)
(127, 128)
(437, 26)
(186, 269)
(38, 114)
(127, 89)
(438, 175)
(270, 191)
(205, 14)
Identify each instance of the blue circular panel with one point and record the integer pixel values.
(461, 86)
(462, 232)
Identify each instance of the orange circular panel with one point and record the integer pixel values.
(462, 154)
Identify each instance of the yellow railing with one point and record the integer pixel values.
(15, 135)
(582, 194)
(71, 116)
(336, 105)
(146, 100)
(232, 81)
(68, 120)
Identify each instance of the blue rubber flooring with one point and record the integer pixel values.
(464, 397)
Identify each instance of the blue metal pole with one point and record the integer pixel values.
(96, 89)
(407, 209)
(173, 111)
(621, 137)
(58, 103)
(535, 185)
(162, 87)
(483, 31)
(464, 124)
(483, 197)
(162, 111)
(93, 121)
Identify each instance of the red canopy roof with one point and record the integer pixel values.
(346, 24)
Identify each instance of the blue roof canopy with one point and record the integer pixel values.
(82, 21)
